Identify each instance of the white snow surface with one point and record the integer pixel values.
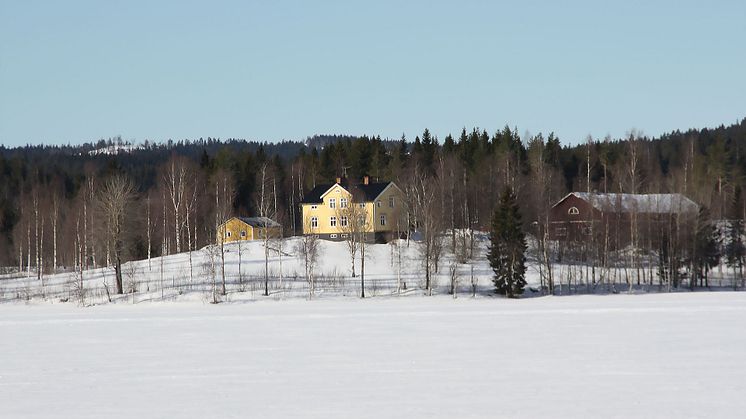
(646, 355)
(670, 203)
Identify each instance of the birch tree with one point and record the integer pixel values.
(224, 185)
(178, 179)
(114, 201)
(308, 248)
(351, 217)
(424, 192)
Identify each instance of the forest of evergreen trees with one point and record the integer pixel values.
(55, 212)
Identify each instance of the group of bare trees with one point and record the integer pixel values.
(101, 215)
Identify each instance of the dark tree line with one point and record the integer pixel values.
(52, 194)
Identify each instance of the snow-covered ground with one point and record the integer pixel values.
(653, 355)
(172, 279)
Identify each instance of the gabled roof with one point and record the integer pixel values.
(366, 193)
(262, 222)
(640, 203)
(314, 195)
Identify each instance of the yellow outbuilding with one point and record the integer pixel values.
(248, 228)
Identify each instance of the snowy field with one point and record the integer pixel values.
(654, 355)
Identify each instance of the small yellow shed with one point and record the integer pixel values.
(248, 228)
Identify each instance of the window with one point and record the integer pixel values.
(383, 219)
(391, 202)
(228, 234)
(332, 236)
(343, 202)
(573, 211)
(333, 221)
(561, 231)
(361, 205)
(344, 236)
(332, 203)
(343, 221)
(314, 222)
(313, 207)
(243, 233)
(378, 204)
(361, 221)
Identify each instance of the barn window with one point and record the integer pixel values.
(333, 221)
(228, 234)
(243, 233)
(573, 211)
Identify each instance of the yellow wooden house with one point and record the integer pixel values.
(248, 228)
(326, 210)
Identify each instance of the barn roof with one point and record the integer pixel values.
(640, 203)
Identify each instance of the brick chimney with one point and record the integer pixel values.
(366, 180)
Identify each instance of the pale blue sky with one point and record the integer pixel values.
(75, 71)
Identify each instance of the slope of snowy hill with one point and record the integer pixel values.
(393, 269)
(175, 277)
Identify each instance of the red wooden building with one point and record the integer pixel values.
(581, 216)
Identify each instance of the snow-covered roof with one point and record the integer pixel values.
(260, 222)
(640, 203)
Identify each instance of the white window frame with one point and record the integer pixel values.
(332, 236)
(314, 222)
(573, 211)
(391, 202)
(332, 221)
(383, 220)
(344, 235)
(561, 231)
(313, 207)
(343, 202)
(332, 203)
(228, 234)
(243, 233)
(344, 221)
(378, 204)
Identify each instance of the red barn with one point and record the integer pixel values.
(579, 216)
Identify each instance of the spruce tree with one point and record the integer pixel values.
(706, 250)
(507, 251)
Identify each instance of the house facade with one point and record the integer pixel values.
(614, 218)
(248, 228)
(329, 210)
